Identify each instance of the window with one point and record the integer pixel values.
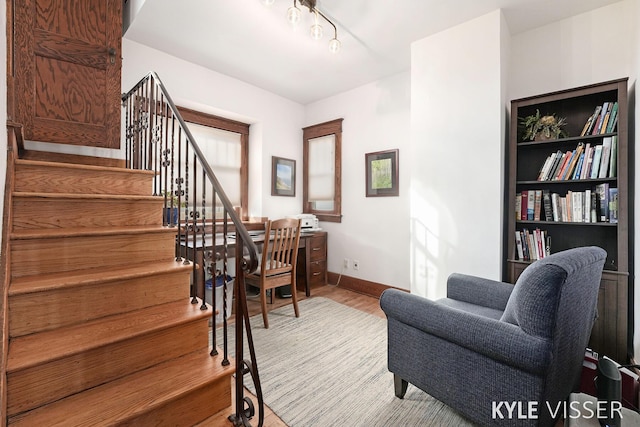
(322, 158)
(225, 144)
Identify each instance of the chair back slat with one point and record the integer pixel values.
(282, 237)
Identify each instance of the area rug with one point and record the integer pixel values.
(329, 368)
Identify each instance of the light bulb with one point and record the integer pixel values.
(293, 15)
(316, 31)
(268, 2)
(334, 45)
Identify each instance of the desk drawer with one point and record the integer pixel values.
(317, 272)
(318, 248)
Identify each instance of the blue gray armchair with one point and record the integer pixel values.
(490, 341)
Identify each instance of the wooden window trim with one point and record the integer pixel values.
(333, 127)
(204, 119)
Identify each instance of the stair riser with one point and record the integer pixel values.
(37, 213)
(54, 179)
(42, 311)
(189, 409)
(43, 256)
(32, 387)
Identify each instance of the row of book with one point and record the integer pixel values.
(603, 120)
(584, 162)
(599, 204)
(532, 245)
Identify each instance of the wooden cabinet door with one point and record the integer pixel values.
(66, 70)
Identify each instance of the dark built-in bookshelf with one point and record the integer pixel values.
(574, 191)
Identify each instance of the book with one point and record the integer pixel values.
(578, 170)
(518, 206)
(587, 206)
(545, 166)
(596, 114)
(525, 244)
(587, 125)
(603, 127)
(613, 205)
(604, 161)
(594, 207)
(563, 209)
(533, 251)
(595, 165)
(613, 118)
(613, 160)
(561, 168)
(524, 202)
(553, 170)
(615, 122)
(531, 201)
(547, 206)
(537, 204)
(577, 206)
(602, 190)
(555, 205)
(586, 167)
(539, 243)
(598, 125)
(572, 163)
(519, 250)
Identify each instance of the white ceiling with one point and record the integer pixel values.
(254, 43)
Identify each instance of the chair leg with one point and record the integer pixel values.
(400, 386)
(263, 302)
(294, 299)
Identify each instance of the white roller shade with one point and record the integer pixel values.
(321, 173)
(222, 149)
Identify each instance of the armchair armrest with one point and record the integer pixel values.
(479, 291)
(501, 341)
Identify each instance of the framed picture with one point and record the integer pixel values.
(382, 173)
(283, 177)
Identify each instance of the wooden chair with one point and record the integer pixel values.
(279, 257)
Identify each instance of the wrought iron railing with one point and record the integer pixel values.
(207, 224)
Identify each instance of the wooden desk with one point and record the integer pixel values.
(311, 268)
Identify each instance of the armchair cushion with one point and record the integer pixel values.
(479, 291)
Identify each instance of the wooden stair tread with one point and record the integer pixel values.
(54, 233)
(79, 196)
(69, 279)
(95, 168)
(123, 399)
(31, 350)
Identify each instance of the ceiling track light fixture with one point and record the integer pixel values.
(294, 15)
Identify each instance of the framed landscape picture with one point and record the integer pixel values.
(382, 173)
(283, 177)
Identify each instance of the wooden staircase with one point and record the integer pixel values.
(101, 327)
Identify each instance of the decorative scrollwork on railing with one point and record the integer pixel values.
(158, 139)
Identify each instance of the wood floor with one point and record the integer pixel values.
(352, 299)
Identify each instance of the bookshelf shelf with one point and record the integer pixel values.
(553, 204)
(566, 223)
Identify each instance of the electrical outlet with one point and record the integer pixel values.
(346, 263)
(356, 264)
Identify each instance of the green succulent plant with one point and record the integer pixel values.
(542, 127)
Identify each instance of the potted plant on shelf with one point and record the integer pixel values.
(541, 128)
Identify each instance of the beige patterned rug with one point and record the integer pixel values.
(329, 368)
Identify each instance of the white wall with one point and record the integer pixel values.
(276, 122)
(589, 48)
(457, 153)
(374, 230)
